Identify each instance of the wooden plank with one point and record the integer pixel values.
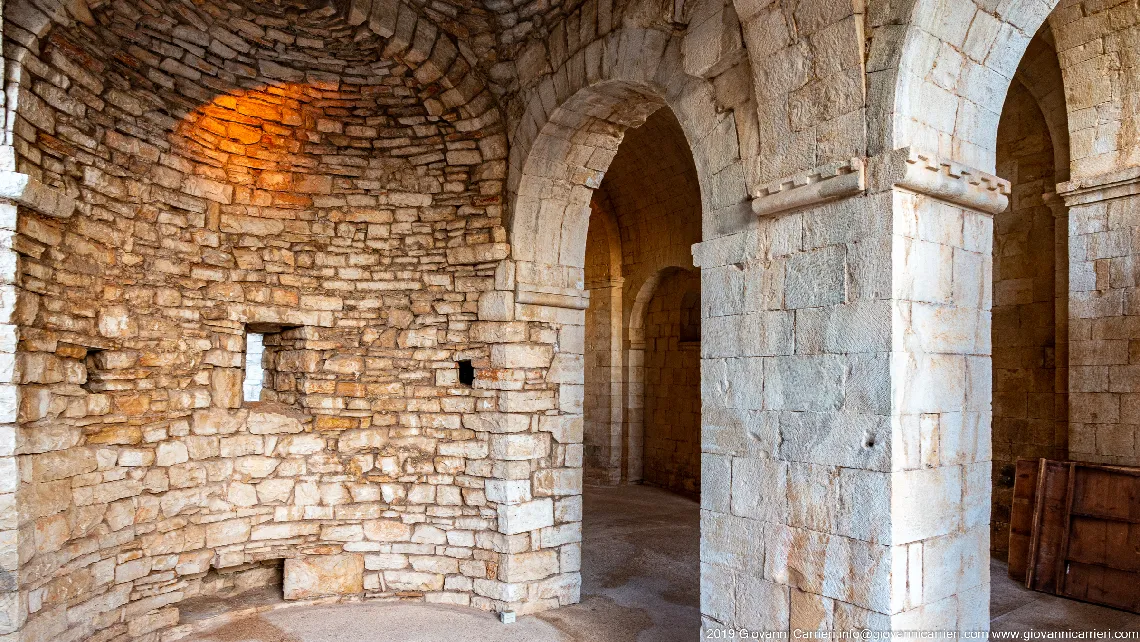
(1038, 516)
(1066, 520)
(1021, 517)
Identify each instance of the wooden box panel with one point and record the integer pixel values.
(1075, 531)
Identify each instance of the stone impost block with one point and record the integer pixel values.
(927, 173)
(552, 297)
(813, 187)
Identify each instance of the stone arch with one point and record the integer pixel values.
(1040, 73)
(953, 68)
(570, 131)
(577, 104)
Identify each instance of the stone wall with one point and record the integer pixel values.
(673, 385)
(250, 168)
(1094, 45)
(1025, 405)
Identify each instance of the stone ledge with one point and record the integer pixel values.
(1101, 187)
(806, 189)
(552, 297)
(31, 193)
(950, 181)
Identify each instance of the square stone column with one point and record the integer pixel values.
(535, 326)
(1104, 317)
(846, 375)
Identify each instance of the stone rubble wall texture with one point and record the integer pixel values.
(386, 188)
(243, 164)
(672, 388)
(1026, 403)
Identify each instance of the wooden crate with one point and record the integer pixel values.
(1075, 531)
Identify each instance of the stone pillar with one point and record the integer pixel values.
(633, 432)
(846, 383)
(1104, 317)
(535, 322)
(607, 436)
(1061, 324)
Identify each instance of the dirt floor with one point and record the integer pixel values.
(640, 564)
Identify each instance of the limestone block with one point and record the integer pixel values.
(316, 575)
(526, 567)
(520, 446)
(527, 516)
(714, 44)
(521, 355)
(256, 465)
(231, 531)
(412, 581)
(498, 422)
(385, 561)
(497, 305)
(363, 439)
(283, 530)
(558, 481)
(387, 530)
(303, 444)
(428, 534)
(225, 387)
(508, 491)
(813, 383)
(274, 491)
(115, 322)
(170, 453)
(925, 503)
(565, 429)
(759, 489)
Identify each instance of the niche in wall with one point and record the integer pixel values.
(263, 377)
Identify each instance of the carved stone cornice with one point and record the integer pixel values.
(812, 187)
(950, 181)
(1102, 187)
(27, 191)
(552, 297)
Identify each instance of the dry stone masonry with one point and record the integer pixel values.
(831, 266)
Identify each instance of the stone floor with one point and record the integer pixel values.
(639, 574)
(1015, 608)
(640, 564)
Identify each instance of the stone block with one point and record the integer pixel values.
(318, 575)
(526, 567)
(524, 517)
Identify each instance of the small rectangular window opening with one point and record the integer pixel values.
(254, 379)
(466, 372)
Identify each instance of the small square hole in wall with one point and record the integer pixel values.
(466, 372)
